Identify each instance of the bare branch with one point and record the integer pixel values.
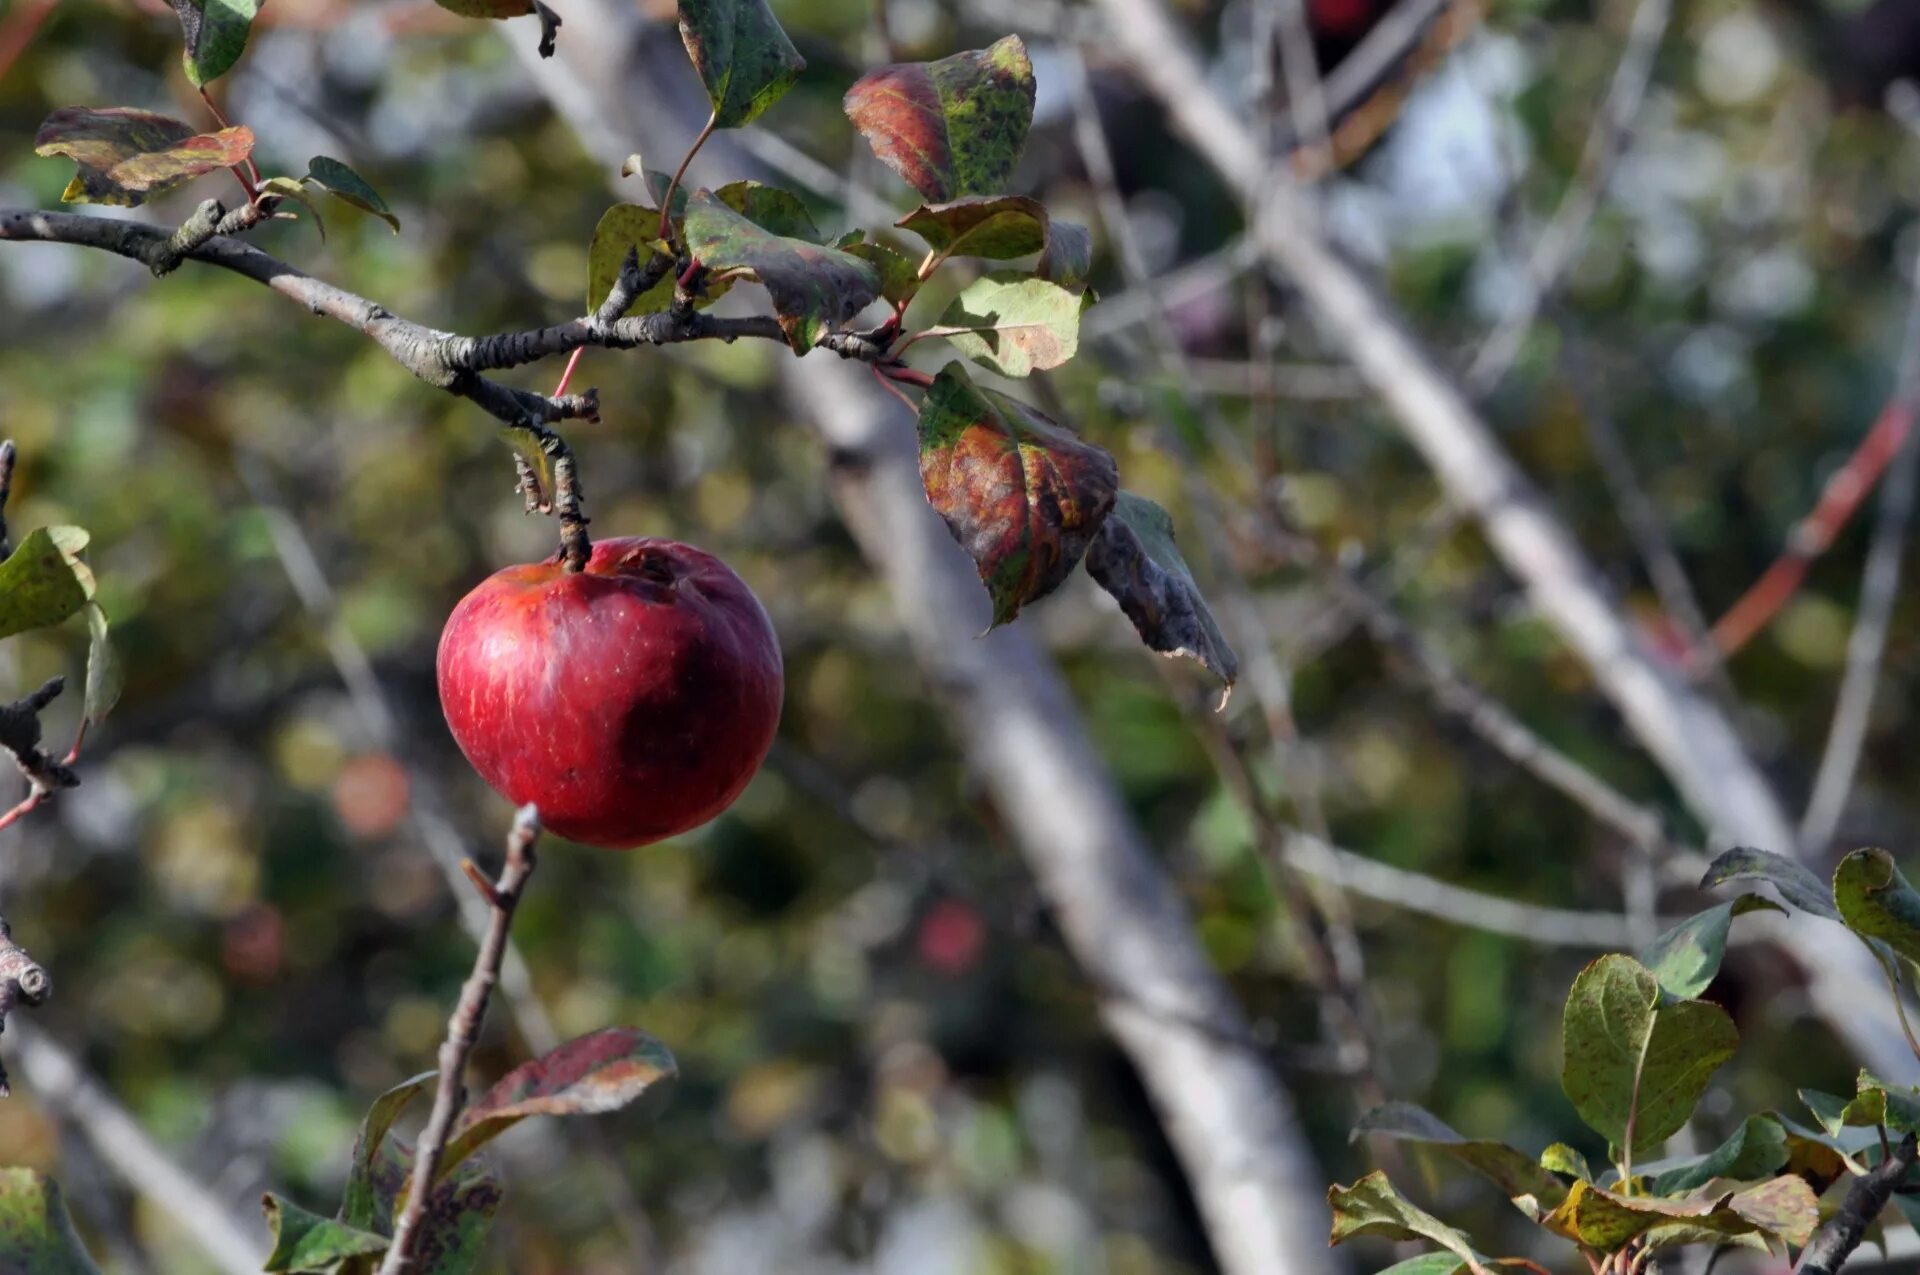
(463, 1032)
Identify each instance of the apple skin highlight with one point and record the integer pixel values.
(630, 701)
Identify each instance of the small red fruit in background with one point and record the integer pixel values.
(631, 701)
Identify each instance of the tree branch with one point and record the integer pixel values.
(23, 981)
(1835, 1241)
(463, 1032)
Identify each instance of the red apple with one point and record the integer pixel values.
(630, 701)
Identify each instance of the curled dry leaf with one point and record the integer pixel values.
(952, 127)
(1023, 496)
(1136, 560)
(127, 155)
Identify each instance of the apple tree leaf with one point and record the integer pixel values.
(590, 1075)
(1372, 1207)
(1136, 560)
(1023, 496)
(999, 227)
(635, 228)
(1013, 324)
(1427, 1264)
(367, 1199)
(290, 188)
(1635, 1065)
(744, 57)
(453, 1233)
(952, 127)
(105, 677)
(899, 274)
(1686, 958)
(1564, 1159)
(126, 155)
(216, 35)
(349, 187)
(1757, 1148)
(1799, 887)
(36, 1234)
(1531, 1187)
(1068, 257)
(1877, 903)
(814, 288)
(43, 582)
(304, 1241)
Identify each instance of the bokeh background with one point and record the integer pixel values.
(888, 1060)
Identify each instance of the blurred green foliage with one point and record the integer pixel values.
(885, 1054)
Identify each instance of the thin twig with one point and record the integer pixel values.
(1835, 1241)
(463, 1032)
(1879, 590)
(8, 455)
(1559, 243)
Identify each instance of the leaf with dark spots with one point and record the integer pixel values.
(1633, 1065)
(1686, 958)
(1023, 495)
(1014, 324)
(1531, 1188)
(126, 155)
(304, 1241)
(1136, 560)
(999, 227)
(1068, 257)
(368, 1199)
(1372, 1207)
(1799, 887)
(635, 228)
(590, 1075)
(349, 187)
(36, 1234)
(899, 274)
(216, 35)
(44, 582)
(1758, 1147)
(1877, 903)
(814, 288)
(952, 127)
(744, 57)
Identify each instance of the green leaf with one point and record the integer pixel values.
(776, 211)
(36, 1235)
(1633, 1064)
(1757, 1148)
(1878, 1103)
(1531, 1187)
(105, 678)
(216, 35)
(1562, 1158)
(899, 274)
(590, 1075)
(999, 227)
(1686, 958)
(1799, 887)
(1427, 1264)
(126, 156)
(304, 1241)
(1013, 324)
(1068, 256)
(1605, 1220)
(1023, 495)
(349, 187)
(635, 228)
(495, 9)
(953, 127)
(43, 583)
(459, 1214)
(1876, 902)
(745, 60)
(365, 1204)
(1783, 1207)
(290, 188)
(1134, 558)
(1372, 1207)
(1829, 1110)
(813, 288)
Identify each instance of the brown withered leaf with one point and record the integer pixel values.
(1135, 559)
(1023, 496)
(126, 155)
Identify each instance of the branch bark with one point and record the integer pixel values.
(1835, 1241)
(463, 1032)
